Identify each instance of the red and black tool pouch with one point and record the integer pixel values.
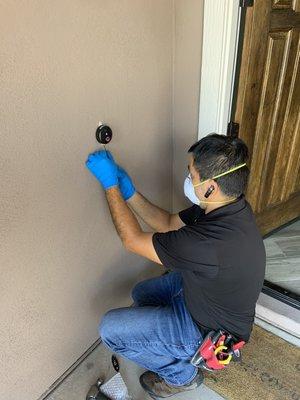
(217, 350)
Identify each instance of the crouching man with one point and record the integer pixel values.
(215, 253)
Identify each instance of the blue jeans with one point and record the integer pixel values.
(158, 333)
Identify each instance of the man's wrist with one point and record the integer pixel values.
(114, 193)
(132, 198)
(111, 187)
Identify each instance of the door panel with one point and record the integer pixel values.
(268, 108)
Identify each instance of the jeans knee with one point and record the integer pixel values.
(107, 326)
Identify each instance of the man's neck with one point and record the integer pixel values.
(225, 202)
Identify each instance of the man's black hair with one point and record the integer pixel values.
(215, 154)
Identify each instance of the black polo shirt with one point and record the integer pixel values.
(221, 256)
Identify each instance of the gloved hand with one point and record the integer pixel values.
(102, 165)
(126, 185)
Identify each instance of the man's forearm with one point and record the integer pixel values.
(157, 218)
(123, 218)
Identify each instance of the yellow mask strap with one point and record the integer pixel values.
(218, 176)
(218, 202)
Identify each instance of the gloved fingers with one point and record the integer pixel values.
(89, 161)
(100, 154)
(110, 156)
(93, 158)
(105, 154)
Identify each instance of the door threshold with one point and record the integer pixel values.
(279, 318)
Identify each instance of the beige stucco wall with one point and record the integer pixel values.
(187, 70)
(65, 65)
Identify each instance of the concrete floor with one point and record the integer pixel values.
(98, 365)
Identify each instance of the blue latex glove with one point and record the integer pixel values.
(102, 165)
(126, 185)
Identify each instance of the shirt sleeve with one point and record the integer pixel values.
(184, 249)
(189, 215)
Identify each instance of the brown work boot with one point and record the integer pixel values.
(158, 388)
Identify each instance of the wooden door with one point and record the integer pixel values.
(268, 109)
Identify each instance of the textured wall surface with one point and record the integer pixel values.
(65, 65)
(187, 72)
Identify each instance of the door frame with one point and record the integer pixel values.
(223, 32)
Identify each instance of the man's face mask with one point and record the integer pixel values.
(189, 188)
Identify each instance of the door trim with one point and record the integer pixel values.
(219, 53)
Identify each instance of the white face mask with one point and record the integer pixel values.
(189, 190)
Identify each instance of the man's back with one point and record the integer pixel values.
(222, 259)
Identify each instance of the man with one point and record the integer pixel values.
(214, 250)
